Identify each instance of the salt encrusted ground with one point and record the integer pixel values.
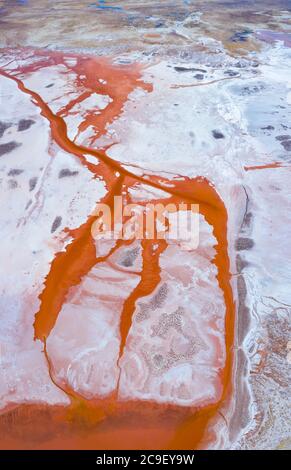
(215, 115)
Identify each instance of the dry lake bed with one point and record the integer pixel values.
(145, 167)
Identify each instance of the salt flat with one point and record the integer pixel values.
(129, 335)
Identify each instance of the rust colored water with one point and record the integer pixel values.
(163, 426)
(267, 166)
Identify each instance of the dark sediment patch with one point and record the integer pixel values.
(251, 90)
(244, 244)
(24, 124)
(3, 127)
(247, 220)
(231, 73)
(243, 317)
(287, 145)
(160, 297)
(156, 302)
(130, 257)
(189, 69)
(12, 184)
(32, 183)
(56, 223)
(15, 172)
(240, 264)
(240, 36)
(8, 147)
(217, 134)
(241, 415)
(66, 172)
(281, 138)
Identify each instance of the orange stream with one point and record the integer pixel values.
(265, 167)
(142, 425)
